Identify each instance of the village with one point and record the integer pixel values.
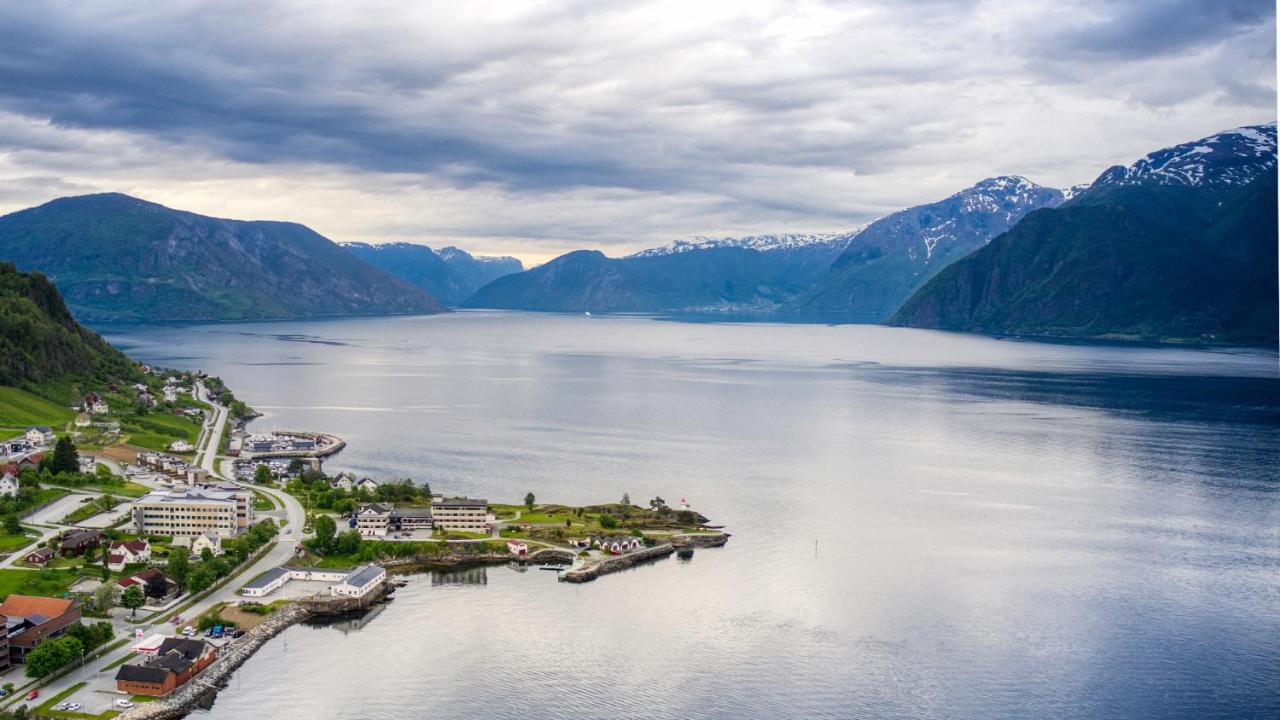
(134, 562)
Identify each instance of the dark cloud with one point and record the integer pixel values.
(1155, 28)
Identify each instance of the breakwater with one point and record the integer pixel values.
(202, 689)
(592, 570)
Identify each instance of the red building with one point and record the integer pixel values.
(178, 660)
(30, 621)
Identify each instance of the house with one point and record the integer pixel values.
(94, 404)
(580, 543)
(31, 461)
(147, 399)
(146, 369)
(617, 544)
(130, 552)
(39, 557)
(209, 541)
(181, 446)
(77, 543)
(9, 485)
(344, 481)
(40, 436)
(170, 393)
(139, 387)
(30, 621)
(88, 463)
(156, 585)
(367, 485)
(83, 420)
(176, 661)
(518, 548)
(359, 582)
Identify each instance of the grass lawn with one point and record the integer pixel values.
(262, 502)
(48, 582)
(19, 409)
(157, 431)
(9, 543)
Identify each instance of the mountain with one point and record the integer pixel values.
(1179, 246)
(39, 339)
(720, 276)
(763, 243)
(116, 257)
(451, 275)
(892, 257)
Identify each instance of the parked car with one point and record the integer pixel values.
(33, 694)
(74, 707)
(122, 703)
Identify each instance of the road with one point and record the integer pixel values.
(94, 672)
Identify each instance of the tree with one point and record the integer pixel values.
(295, 467)
(199, 579)
(262, 475)
(626, 499)
(11, 524)
(52, 655)
(348, 543)
(529, 500)
(104, 597)
(206, 555)
(65, 459)
(657, 502)
(607, 522)
(325, 529)
(179, 566)
(133, 598)
(156, 587)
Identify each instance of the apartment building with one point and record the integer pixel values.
(460, 514)
(187, 513)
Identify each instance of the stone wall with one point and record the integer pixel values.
(591, 571)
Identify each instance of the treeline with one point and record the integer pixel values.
(41, 342)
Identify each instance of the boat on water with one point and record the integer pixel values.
(685, 553)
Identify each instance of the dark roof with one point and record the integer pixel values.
(459, 502)
(174, 661)
(142, 673)
(83, 536)
(411, 512)
(190, 648)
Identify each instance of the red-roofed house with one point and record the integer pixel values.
(127, 553)
(151, 587)
(31, 620)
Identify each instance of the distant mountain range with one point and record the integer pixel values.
(748, 275)
(450, 274)
(1179, 246)
(892, 257)
(116, 257)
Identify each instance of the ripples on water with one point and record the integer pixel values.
(1002, 529)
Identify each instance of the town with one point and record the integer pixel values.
(152, 537)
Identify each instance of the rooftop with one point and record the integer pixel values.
(362, 575)
(458, 502)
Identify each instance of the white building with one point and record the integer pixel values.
(187, 513)
(8, 485)
(131, 552)
(181, 446)
(360, 582)
(41, 435)
(347, 583)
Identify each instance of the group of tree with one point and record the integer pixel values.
(328, 541)
(315, 487)
(92, 636)
(52, 655)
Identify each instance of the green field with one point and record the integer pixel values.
(156, 431)
(49, 583)
(20, 409)
(9, 543)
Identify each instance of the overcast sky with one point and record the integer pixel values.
(532, 129)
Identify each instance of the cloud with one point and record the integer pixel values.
(537, 128)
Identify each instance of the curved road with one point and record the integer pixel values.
(95, 672)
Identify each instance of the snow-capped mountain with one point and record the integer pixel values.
(762, 243)
(1231, 157)
(892, 257)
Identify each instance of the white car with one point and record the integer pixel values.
(73, 707)
(124, 704)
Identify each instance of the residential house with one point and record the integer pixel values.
(519, 548)
(177, 660)
(181, 446)
(41, 436)
(150, 581)
(83, 420)
(372, 519)
(9, 485)
(368, 485)
(94, 404)
(460, 514)
(131, 552)
(344, 481)
(30, 621)
(39, 557)
(580, 543)
(196, 545)
(88, 463)
(147, 399)
(78, 542)
(170, 393)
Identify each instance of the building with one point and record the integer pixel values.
(83, 420)
(368, 485)
(181, 446)
(131, 552)
(191, 512)
(177, 660)
(347, 583)
(359, 582)
(158, 587)
(39, 557)
(460, 514)
(616, 544)
(94, 404)
(196, 545)
(78, 542)
(31, 620)
(344, 481)
(519, 548)
(9, 485)
(372, 519)
(40, 436)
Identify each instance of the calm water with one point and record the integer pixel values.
(926, 525)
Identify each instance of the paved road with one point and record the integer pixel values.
(94, 672)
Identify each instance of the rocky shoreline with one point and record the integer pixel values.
(201, 691)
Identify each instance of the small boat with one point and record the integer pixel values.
(685, 553)
(587, 313)
(556, 568)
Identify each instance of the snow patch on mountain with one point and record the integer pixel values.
(1231, 157)
(761, 243)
